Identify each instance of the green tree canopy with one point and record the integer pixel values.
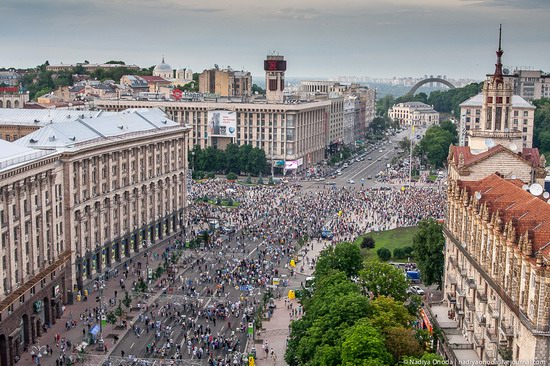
(363, 342)
(429, 244)
(401, 341)
(434, 146)
(385, 312)
(345, 257)
(383, 279)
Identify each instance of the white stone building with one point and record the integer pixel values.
(414, 114)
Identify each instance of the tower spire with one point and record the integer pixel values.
(497, 77)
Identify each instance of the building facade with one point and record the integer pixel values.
(497, 283)
(77, 199)
(530, 84)
(414, 114)
(284, 132)
(226, 82)
(36, 258)
(10, 97)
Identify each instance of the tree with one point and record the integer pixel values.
(257, 90)
(231, 176)
(367, 242)
(429, 244)
(384, 254)
(401, 341)
(435, 144)
(345, 257)
(385, 312)
(405, 144)
(127, 301)
(232, 163)
(363, 342)
(111, 317)
(383, 279)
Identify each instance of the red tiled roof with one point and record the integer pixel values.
(155, 79)
(530, 155)
(527, 212)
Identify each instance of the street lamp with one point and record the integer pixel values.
(38, 351)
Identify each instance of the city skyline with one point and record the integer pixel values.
(319, 39)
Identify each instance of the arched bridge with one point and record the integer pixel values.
(430, 80)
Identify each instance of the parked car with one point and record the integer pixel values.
(351, 181)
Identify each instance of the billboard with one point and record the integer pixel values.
(291, 164)
(222, 124)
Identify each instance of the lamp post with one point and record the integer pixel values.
(38, 351)
(101, 343)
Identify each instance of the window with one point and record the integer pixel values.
(525, 113)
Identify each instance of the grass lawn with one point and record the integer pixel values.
(390, 239)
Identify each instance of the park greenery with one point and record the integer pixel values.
(356, 314)
(243, 159)
(398, 243)
(541, 133)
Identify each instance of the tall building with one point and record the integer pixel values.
(77, 198)
(499, 119)
(274, 67)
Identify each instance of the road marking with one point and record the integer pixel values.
(132, 345)
(368, 166)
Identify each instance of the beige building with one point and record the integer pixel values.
(226, 82)
(13, 99)
(283, 131)
(530, 84)
(414, 114)
(497, 284)
(77, 198)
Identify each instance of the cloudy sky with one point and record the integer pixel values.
(319, 38)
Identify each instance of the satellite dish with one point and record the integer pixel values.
(489, 143)
(548, 201)
(478, 195)
(525, 187)
(536, 189)
(506, 129)
(546, 195)
(513, 147)
(513, 177)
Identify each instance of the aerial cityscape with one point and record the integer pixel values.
(214, 183)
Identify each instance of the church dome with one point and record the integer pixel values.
(162, 69)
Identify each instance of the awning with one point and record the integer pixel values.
(95, 330)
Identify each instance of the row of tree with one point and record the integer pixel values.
(359, 313)
(541, 136)
(234, 159)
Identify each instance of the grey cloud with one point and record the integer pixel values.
(298, 14)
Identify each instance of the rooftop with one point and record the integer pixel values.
(12, 154)
(82, 131)
(530, 155)
(42, 117)
(526, 212)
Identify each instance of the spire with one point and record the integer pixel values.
(497, 77)
(163, 57)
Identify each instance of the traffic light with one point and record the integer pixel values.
(97, 299)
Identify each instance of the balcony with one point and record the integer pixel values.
(506, 330)
(451, 296)
(481, 320)
(492, 310)
(460, 292)
(491, 335)
(459, 310)
(468, 324)
(469, 304)
(471, 283)
(479, 340)
(481, 296)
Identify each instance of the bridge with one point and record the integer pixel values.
(430, 80)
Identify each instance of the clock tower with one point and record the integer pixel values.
(275, 67)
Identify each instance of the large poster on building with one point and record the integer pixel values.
(222, 124)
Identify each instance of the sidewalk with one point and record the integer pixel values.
(277, 329)
(76, 335)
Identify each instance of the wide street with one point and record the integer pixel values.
(200, 311)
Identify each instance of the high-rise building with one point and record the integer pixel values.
(226, 82)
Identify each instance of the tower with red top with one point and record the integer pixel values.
(275, 67)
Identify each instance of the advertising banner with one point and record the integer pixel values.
(291, 164)
(300, 161)
(222, 124)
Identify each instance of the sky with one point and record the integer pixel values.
(319, 38)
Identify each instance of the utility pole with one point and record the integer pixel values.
(410, 156)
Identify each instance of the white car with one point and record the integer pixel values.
(416, 290)
(351, 181)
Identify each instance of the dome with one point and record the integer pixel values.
(162, 69)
